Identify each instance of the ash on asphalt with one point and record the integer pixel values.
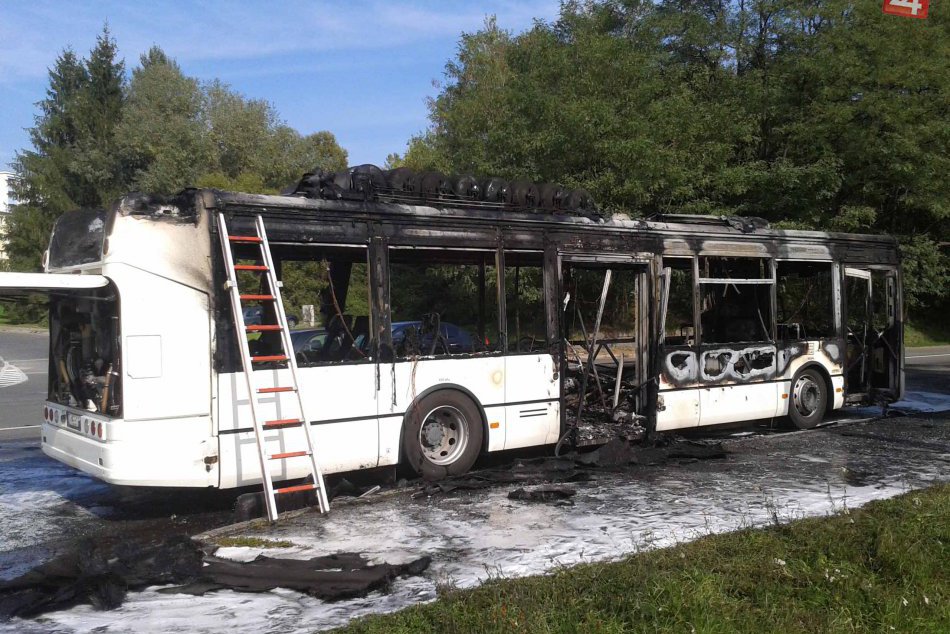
(471, 533)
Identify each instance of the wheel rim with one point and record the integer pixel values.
(806, 396)
(443, 435)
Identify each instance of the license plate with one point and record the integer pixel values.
(73, 421)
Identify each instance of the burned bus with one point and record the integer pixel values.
(452, 322)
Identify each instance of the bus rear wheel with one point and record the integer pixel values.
(807, 400)
(442, 435)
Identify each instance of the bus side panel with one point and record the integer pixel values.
(341, 405)
(680, 409)
(532, 394)
(166, 347)
(731, 403)
(402, 382)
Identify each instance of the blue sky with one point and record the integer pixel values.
(361, 70)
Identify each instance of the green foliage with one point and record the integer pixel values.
(816, 115)
(97, 136)
(880, 568)
(161, 137)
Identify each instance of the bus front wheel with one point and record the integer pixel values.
(808, 399)
(442, 435)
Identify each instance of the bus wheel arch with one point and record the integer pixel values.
(443, 432)
(810, 396)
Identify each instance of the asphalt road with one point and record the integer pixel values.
(928, 369)
(21, 404)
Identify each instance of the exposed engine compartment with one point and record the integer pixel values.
(84, 355)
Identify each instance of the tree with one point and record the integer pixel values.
(813, 114)
(70, 165)
(97, 136)
(161, 140)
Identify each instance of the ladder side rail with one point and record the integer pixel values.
(292, 364)
(240, 331)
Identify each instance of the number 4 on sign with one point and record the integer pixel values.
(907, 8)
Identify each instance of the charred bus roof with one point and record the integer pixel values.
(447, 220)
(296, 219)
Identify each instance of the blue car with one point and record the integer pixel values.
(254, 315)
(457, 339)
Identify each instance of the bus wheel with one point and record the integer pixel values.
(807, 400)
(443, 435)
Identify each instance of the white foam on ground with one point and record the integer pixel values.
(474, 536)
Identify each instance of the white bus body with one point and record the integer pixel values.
(163, 410)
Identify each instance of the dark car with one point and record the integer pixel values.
(254, 316)
(457, 339)
(308, 340)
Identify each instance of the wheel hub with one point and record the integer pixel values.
(432, 434)
(807, 396)
(443, 435)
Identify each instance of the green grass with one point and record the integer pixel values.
(921, 331)
(882, 568)
(253, 542)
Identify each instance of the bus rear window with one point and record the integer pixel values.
(77, 238)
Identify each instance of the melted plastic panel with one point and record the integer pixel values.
(77, 238)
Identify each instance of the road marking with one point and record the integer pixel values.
(11, 375)
(927, 356)
(3, 429)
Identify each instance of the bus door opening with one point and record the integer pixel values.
(602, 320)
(874, 335)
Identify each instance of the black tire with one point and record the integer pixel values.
(807, 399)
(442, 435)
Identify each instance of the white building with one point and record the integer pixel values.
(5, 202)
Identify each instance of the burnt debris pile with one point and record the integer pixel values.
(403, 185)
(103, 575)
(545, 479)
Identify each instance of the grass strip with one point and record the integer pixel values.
(884, 567)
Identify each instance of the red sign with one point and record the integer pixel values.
(907, 8)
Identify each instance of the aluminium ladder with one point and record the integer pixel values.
(266, 268)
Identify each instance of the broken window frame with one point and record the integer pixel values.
(693, 269)
(331, 301)
(388, 353)
(768, 325)
(835, 297)
(503, 257)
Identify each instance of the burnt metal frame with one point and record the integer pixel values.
(301, 220)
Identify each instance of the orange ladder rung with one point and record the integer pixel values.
(262, 328)
(269, 357)
(282, 422)
(289, 454)
(251, 239)
(274, 390)
(260, 298)
(299, 487)
(250, 267)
